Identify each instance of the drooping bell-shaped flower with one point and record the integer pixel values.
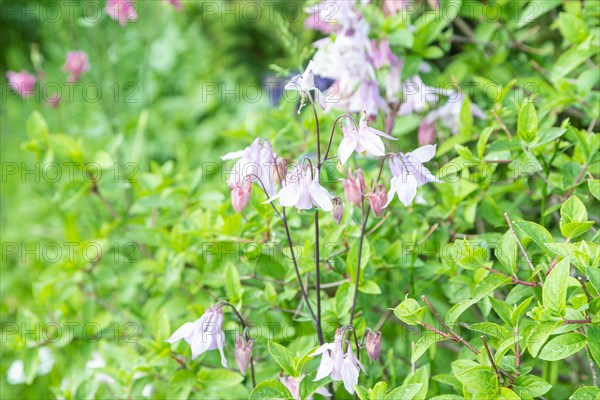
(293, 385)
(22, 82)
(409, 173)
(354, 187)
(303, 191)
(76, 64)
(426, 134)
(365, 140)
(256, 162)
(206, 333)
(378, 200)
(243, 352)
(337, 365)
(373, 345)
(121, 11)
(240, 194)
(337, 212)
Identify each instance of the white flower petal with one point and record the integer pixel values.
(320, 196)
(424, 153)
(183, 332)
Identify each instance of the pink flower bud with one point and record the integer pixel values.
(240, 195)
(354, 187)
(373, 345)
(243, 352)
(378, 200)
(53, 101)
(280, 170)
(337, 212)
(76, 64)
(426, 133)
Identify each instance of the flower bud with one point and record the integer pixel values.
(280, 170)
(243, 352)
(373, 345)
(240, 195)
(354, 187)
(426, 133)
(378, 200)
(337, 212)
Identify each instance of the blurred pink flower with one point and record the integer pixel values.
(354, 187)
(76, 64)
(426, 133)
(175, 3)
(53, 101)
(391, 7)
(21, 82)
(122, 11)
(293, 385)
(206, 333)
(240, 194)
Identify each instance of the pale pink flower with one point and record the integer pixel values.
(409, 173)
(416, 96)
(21, 82)
(354, 187)
(53, 101)
(337, 365)
(240, 194)
(122, 11)
(293, 385)
(243, 352)
(449, 113)
(392, 7)
(76, 64)
(175, 3)
(257, 162)
(303, 191)
(378, 200)
(365, 140)
(206, 333)
(367, 98)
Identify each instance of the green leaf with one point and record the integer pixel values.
(483, 139)
(593, 275)
(268, 390)
(362, 392)
(31, 361)
(423, 343)
(181, 384)
(420, 376)
(528, 123)
(554, 293)
(161, 327)
(531, 385)
(378, 391)
(233, 284)
(594, 186)
(404, 392)
(539, 335)
(536, 232)
(343, 298)
(37, 128)
(506, 251)
(569, 60)
(219, 378)
(410, 312)
(572, 28)
(369, 287)
(466, 117)
(586, 393)
(575, 229)
(593, 334)
(563, 346)
(474, 376)
(282, 357)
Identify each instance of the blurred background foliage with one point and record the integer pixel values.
(172, 245)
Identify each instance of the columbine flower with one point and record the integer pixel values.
(240, 194)
(409, 173)
(337, 212)
(354, 187)
(304, 83)
(243, 352)
(293, 385)
(449, 113)
(365, 140)
(378, 200)
(122, 11)
(373, 345)
(76, 64)
(256, 161)
(391, 7)
(21, 82)
(367, 99)
(303, 191)
(206, 333)
(416, 96)
(337, 365)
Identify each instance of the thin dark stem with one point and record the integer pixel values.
(585, 289)
(515, 280)
(512, 230)
(578, 321)
(245, 333)
(432, 329)
(491, 358)
(312, 103)
(333, 131)
(456, 336)
(266, 193)
(345, 328)
(318, 279)
(298, 276)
